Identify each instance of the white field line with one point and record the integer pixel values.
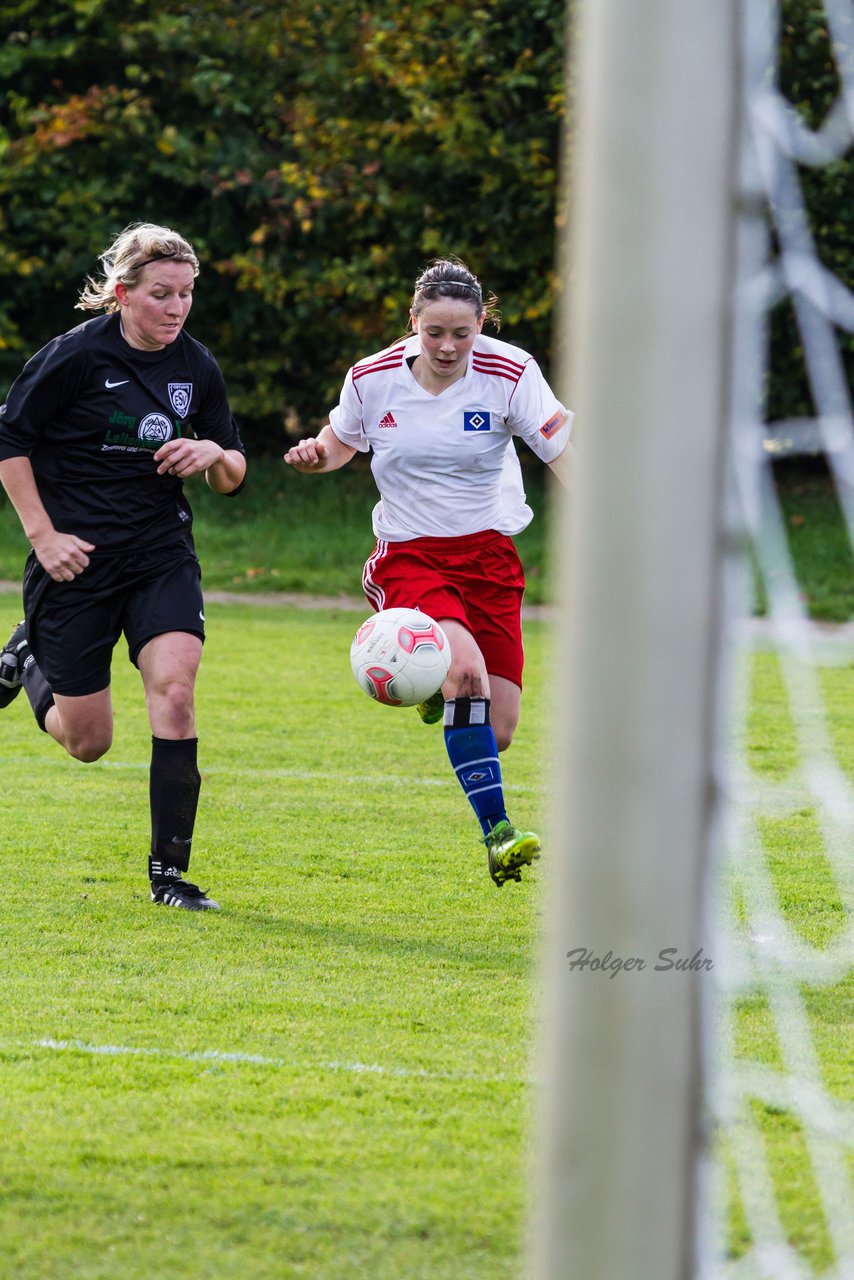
(259, 1060)
(383, 780)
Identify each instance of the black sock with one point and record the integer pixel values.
(36, 688)
(174, 794)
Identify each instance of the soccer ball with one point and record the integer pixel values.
(400, 657)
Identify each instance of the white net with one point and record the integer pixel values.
(783, 1099)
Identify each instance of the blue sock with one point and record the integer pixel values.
(473, 752)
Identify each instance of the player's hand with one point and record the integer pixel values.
(183, 458)
(62, 555)
(308, 455)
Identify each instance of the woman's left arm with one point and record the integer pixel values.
(562, 466)
(228, 473)
(224, 468)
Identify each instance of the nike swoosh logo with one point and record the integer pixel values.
(109, 385)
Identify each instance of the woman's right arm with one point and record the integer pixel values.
(324, 452)
(62, 555)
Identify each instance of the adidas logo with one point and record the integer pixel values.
(387, 421)
(158, 869)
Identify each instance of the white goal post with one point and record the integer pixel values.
(649, 285)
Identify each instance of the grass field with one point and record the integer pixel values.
(815, 904)
(331, 1077)
(819, 542)
(335, 1075)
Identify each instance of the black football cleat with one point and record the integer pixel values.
(180, 893)
(12, 664)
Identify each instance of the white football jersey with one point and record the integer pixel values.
(445, 465)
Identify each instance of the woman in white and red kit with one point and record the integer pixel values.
(438, 410)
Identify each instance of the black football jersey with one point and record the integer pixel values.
(91, 411)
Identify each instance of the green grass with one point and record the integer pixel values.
(811, 903)
(333, 1076)
(363, 959)
(819, 543)
(293, 533)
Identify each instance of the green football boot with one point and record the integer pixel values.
(433, 709)
(509, 850)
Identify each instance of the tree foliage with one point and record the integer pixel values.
(809, 79)
(317, 154)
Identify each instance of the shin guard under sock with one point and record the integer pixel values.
(473, 752)
(174, 793)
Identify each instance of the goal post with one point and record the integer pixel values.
(648, 277)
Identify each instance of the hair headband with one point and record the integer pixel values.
(458, 284)
(158, 257)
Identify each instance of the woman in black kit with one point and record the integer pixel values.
(97, 435)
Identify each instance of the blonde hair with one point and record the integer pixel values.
(131, 251)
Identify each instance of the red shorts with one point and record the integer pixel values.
(476, 579)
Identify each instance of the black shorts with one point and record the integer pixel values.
(73, 627)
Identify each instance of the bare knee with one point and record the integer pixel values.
(172, 708)
(503, 736)
(465, 682)
(86, 737)
(88, 747)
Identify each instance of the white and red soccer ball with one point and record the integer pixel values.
(400, 657)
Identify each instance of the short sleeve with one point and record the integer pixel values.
(214, 419)
(537, 416)
(346, 418)
(49, 382)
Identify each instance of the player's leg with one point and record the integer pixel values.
(163, 622)
(10, 665)
(436, 575)
(469, 737)
(81, 723)
(489, 578)
(168, 664)
(16, 657)
(508, 847)
(472, 744)
(505, 698)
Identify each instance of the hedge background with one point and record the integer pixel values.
(317, 154)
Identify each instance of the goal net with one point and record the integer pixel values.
(679, 1012)
(783, 1079)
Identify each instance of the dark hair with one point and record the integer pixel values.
(451, 278)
